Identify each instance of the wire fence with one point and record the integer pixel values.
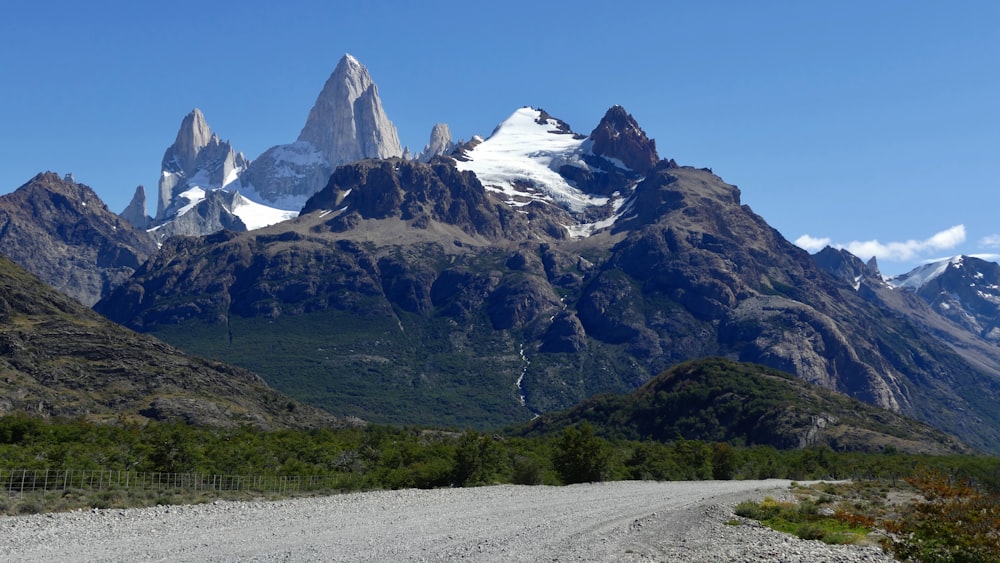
(16, 482)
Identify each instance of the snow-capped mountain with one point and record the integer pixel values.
(534, 158)
(198, 159)
(199, 188)
(347, 123)
(964, 289)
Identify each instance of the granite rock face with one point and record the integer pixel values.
(210, 215)
(439, 144)
(135, 212)
(346, 124)
(198, 158)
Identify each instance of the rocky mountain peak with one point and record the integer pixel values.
(440, 143)
(964, 289)
(618, 135)
(846, 266)
(193, 135)
(347, 122)
(135, 212)
(198, 158)
(62, 232)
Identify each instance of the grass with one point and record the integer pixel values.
(836, 514)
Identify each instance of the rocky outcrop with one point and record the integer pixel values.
(439, 144)
(62, 232)
(420, 194)
(135, 212)
(211, 214)
(619, 136)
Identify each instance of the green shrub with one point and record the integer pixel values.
(526, 471)
(810, 531)
(582, 457)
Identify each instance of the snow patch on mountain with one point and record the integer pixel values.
(583, 230)
(256, 215)
(919, 276)
(522, 158)
(194, 196)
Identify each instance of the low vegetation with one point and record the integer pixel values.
(928, 516)
(382, 457)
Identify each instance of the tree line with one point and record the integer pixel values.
(386, 457)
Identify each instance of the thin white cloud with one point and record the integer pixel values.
(812, 244)
(892, 251)
(990, 241)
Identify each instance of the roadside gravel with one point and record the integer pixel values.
(621, 521)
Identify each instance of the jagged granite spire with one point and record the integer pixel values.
(135, 212)
(440, 143)
(196, 152)
(347, 123)
(194, 135)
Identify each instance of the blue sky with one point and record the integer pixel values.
(876, 123)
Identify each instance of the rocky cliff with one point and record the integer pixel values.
(135, 212)
(439, 144)
(347, 122)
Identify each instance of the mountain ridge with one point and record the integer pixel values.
(531, 310)
(63, 232)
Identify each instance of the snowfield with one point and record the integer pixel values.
(521, 161)
(621, 521)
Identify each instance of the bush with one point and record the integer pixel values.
(527, 471)
(582, 457)
(955, 522)
(810, 531)
(479, 460)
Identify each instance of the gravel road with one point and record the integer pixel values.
(621, 521)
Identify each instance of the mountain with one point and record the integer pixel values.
(719, 400)
(531, 270)
(965, 289)
(347, 123)
(440, 143)
(199, 189)
(58, 358)
(135, 212)
(62, 232)
(198, 160)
